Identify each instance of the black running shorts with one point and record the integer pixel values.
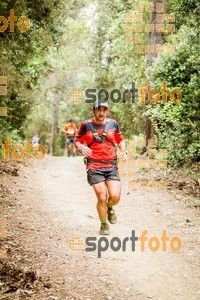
(70, 140)
(102, 174)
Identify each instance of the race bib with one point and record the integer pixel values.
(70, 131)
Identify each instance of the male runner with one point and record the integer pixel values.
(70, 130)
(96, 139)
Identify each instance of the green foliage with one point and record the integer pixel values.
(29, 57)
(178, 125)
(186, 11)
(114, 63)
(80, 44)
(14, 137)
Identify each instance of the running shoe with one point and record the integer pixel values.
(112, 218)
(104, 229)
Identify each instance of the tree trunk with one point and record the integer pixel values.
(154, 38)
(56, 103)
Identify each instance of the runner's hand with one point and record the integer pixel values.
(85, 150)
(124, 155)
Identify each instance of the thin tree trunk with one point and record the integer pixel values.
(154, 38)
(56, 103)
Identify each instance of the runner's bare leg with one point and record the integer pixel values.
(101, 193)
(69, 149)
(114, 191)
(74, 149)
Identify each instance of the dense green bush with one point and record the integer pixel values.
(178, 125)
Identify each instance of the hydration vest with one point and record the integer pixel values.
(98, 138)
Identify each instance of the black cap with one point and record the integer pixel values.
(100, 102)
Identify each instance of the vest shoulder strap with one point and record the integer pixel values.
(95, 133)
(106, 127)
(94, 130)
(91, 126)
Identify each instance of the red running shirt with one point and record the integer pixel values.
(100, 151)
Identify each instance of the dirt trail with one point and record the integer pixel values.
(55, 204)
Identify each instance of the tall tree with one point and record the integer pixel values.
(155, 39)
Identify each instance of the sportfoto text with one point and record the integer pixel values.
(23, 23)
(18, 151)
(152, 95)
(115, 244)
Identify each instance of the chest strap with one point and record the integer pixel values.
(95, 133)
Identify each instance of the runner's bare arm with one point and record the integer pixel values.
(122, 148)
(79, 142)
(65, 128)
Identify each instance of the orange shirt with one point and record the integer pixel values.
(70, 130)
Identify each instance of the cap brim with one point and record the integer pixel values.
(99, 103)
